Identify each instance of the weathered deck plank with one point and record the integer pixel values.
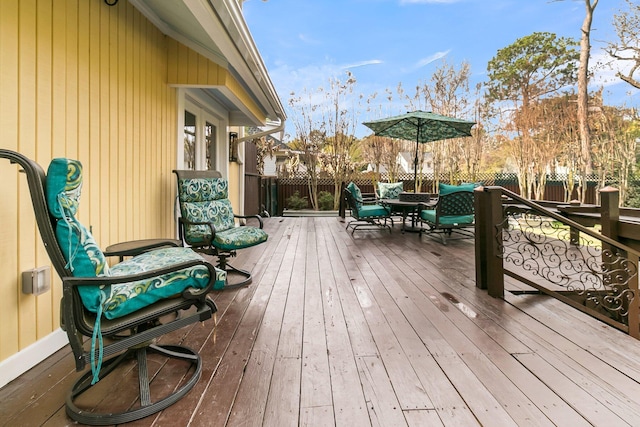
(371, 329)
(316, 404)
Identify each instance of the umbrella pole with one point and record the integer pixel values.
(415, 162)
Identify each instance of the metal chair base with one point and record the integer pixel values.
(376, 224)
(239, 272)
(448, 232)
(231, 270)
(146, 406)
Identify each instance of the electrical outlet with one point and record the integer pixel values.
(36, 281)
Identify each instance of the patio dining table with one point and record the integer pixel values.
(407, 208)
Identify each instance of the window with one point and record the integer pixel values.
(201, 141)
(210, 143)
(189, 140)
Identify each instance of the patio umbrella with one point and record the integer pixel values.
(420, 126)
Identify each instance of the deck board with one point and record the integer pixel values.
(371, 329)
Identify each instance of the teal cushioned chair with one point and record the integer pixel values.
(454, 212)
(367, 215)
(208, 224)
(122, 309)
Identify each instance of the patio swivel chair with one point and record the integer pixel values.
(207, 222)
(120, 309)
(453, 213)
(367, 214)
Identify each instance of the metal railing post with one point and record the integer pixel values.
(574, 233)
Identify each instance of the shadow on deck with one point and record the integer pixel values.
(376, 329)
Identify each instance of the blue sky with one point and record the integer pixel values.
(383, 42)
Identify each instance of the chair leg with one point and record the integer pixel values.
(146, 406)
(443, 237)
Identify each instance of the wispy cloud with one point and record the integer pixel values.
(362, 64)
(428, 1)
(308, 40)
(429, 59)
(312, 76)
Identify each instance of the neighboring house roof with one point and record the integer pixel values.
(406, 159)
(216, 29)
(272, 132)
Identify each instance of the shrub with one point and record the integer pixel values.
(325, 201)
(633, 196)
(296, 202)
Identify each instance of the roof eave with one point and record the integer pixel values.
(228, 42)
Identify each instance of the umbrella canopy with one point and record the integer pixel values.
(420, 126)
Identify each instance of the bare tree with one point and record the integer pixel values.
(265, 147)
(310, 139)
(473, 148)
(614, 148)
(379, 150)
(339, 119)
(627, 49)
(447, 94)
(583, 94)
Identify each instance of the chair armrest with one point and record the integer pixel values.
(208, 224)
(368, 198)
(136, 247)
(249, 217)
(427, 206)
(69, 282)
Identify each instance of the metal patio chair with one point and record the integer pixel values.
(453, 213)
(207, 222)
(367, 214)
(121, 309)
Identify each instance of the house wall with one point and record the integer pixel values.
(83, 80)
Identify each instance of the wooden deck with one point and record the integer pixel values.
(378, 329)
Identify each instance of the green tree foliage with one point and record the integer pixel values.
(532, 67)
(520, 75)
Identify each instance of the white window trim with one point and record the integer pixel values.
(205, 110)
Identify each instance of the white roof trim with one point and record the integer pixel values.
(236, 52)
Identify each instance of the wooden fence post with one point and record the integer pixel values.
(489, 263)
(610, 217)
(480, 201)
(609, 211)
(342, 208)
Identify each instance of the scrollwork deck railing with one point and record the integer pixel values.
(557, 256)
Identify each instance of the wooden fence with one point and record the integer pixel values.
(276, 191)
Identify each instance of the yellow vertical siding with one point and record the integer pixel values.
(47, 304)
(84, 80)
(188, 68)
(9, 177)
(26, 134)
